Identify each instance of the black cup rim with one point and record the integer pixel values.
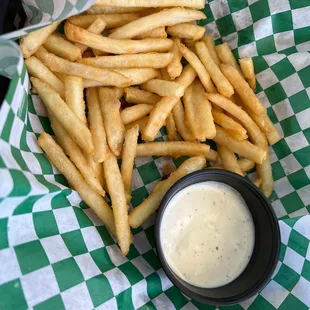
(275, 235)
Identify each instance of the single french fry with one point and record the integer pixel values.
(37, 69)
(104, 9)
(58, 45)
(128, 156)
(31, 42)
(56, 155)
(243, 148)
(220, 81)
(114, 46)
(111, 20)
(186, 31)
(173, 148)
(158, 116)
(116, 189)
(114, 127)
(137, 96)
(164, 88)
(138, 75)
(273, 135)
(159, 32)
(198, 114)
(75, 154)
(140, 122)
(247, 69)
(257, 182)
(198, 4)
(74, 96)
(208, 40)
(149, 60)
(162, 18)
(229, 159)
(212, 155)
(179, 118)
(135, 112)
(174, 69)
(264, 172)
(152, 202)
(171, 129)
(253, 130)
(243, 89)
(96, 125)
(105, 76)
(72, 124)
(198, 67)
(96, 27)
(226, 56)
(232, 127)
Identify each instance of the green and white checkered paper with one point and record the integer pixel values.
(55, 253)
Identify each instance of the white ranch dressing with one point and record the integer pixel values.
(207, 234)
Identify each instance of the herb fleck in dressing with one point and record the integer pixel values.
(207, 234)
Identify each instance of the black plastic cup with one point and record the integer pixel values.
(266, 248)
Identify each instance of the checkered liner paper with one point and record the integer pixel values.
(55, 253)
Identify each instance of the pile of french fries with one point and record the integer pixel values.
(126, 56)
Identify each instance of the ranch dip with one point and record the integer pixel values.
(207, 234)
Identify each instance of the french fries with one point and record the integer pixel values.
(210, 98)
(135, 112)
(243, 89)
(74, 96)
(56, 44)
(164, 88)
(56, 155)
(174, 149)
(72, 124)
(37, 69)
(220, 81)
(198, 67)
(243, 148)
(198, 4)
(247, 69)
(109, 45)
(162, 18)
(151, 203)
(138, 96)
(128, 156)
(105, 76)
(114, 127)
(174, 69)
(229, 159)
(31, 43)
(186, 31)
(149, 60)
(116, 190)
(96, 125)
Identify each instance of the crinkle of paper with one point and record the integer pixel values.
(54, 251)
